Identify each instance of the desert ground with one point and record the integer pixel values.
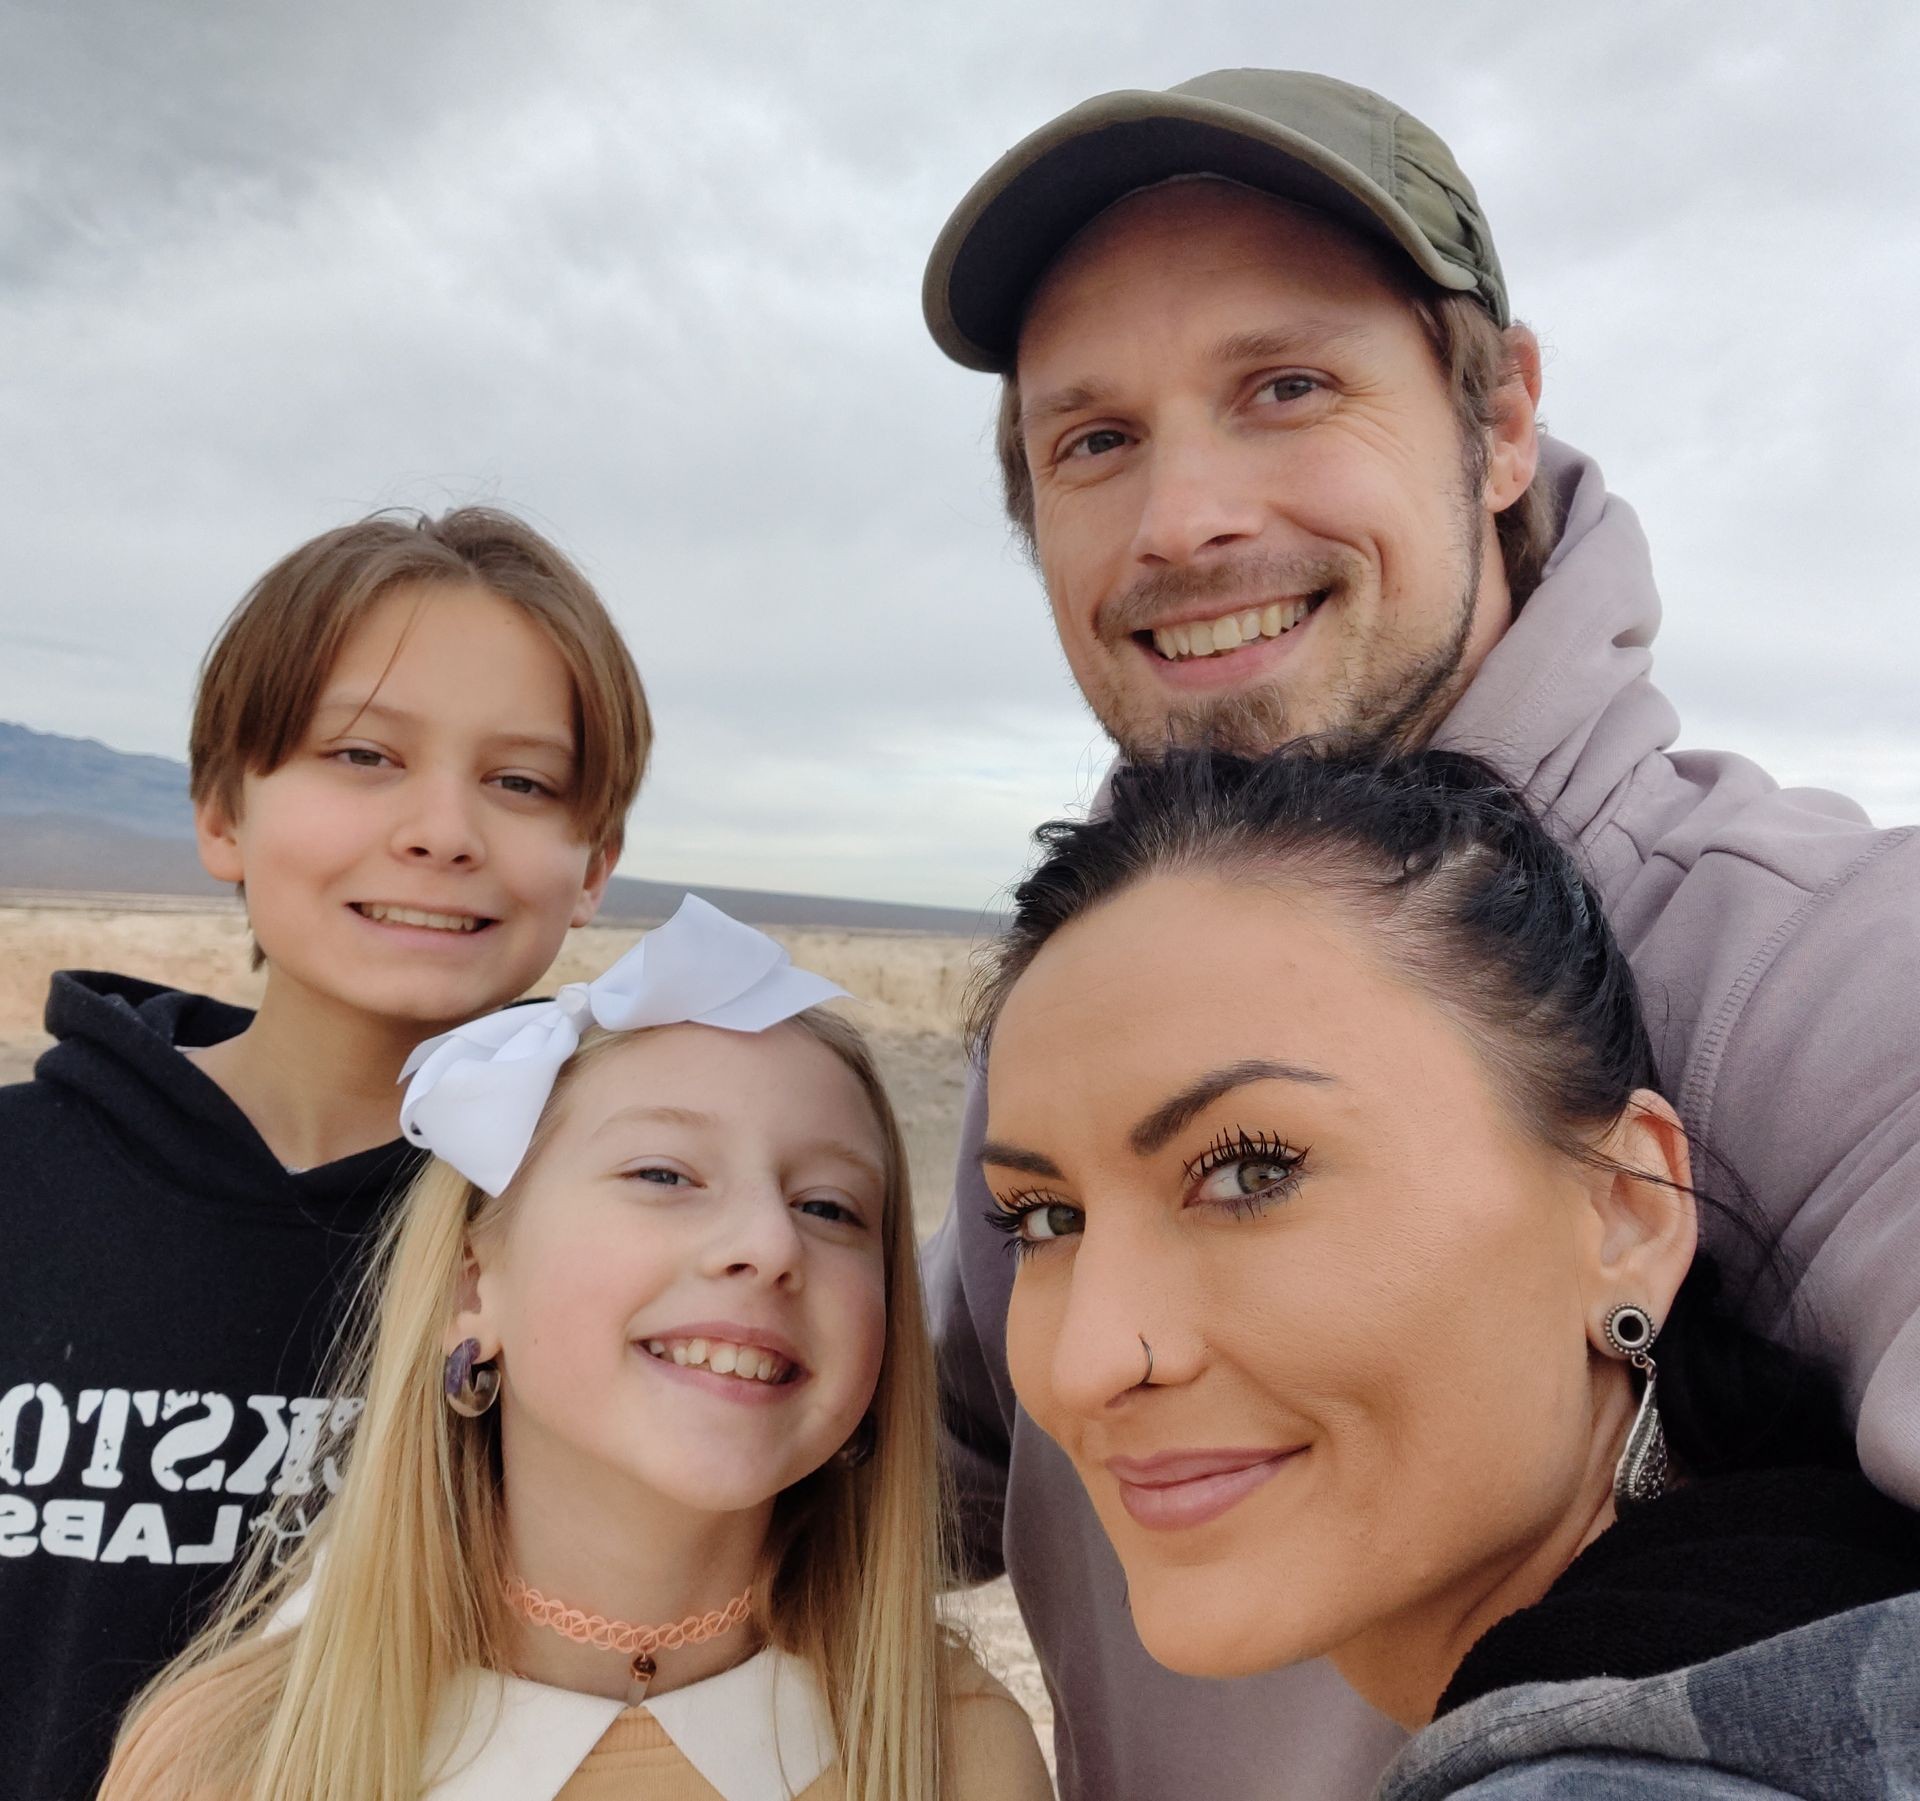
(909, 988)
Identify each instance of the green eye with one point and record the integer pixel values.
(1055, 1220)
(1243, 1172)
(1031, 1220)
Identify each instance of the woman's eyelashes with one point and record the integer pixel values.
(1244, 1171)
(1032, 1218)
(1240, 1172)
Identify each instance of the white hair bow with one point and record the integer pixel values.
(477, 1092)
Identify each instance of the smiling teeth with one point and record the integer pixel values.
(1209, 637)
(747, 1363)
(413, 916)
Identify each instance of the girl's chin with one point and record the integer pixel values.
(731, 1490)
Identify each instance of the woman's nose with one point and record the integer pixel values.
(1120, 1329)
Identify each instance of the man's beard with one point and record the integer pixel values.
(1392, 708)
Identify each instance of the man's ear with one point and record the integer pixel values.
(1514, 437)
(593, 890)
(1644, 1225)
(218, 842)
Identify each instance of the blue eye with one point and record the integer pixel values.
(660, 1174)
(1289, 387)
(1094, 443)
(820, 1206)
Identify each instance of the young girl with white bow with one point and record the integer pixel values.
(643, 1497)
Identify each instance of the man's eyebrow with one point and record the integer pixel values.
(355, 708)
(1011, 1156)
(1075, 398)
(1275, 345)
(1194, 1099)
(1280, 343)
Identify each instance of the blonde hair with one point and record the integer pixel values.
(340, 1707)
(263, 677)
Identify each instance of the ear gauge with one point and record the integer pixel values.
(470, 1386)
(1643, 1471)
(1630, 1334)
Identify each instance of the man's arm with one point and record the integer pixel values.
(1815, 1101)
(967, 1280)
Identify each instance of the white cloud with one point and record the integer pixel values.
(652, 276)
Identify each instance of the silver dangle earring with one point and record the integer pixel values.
(470, 1386)
(1641, 1474)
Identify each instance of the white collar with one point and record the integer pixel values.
(760, 1731)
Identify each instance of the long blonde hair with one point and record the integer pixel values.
(340, 1706)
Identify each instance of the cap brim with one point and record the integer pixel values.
(1019, 215)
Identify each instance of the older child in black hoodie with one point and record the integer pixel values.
(414, 746)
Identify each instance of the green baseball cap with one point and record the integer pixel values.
(1303, 137)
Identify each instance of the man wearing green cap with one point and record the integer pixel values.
(1268, 426)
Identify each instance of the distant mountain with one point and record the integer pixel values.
(76, 815)
(41, 773)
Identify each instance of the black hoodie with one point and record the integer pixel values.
(169, 1299)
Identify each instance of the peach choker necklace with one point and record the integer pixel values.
(638, 1643)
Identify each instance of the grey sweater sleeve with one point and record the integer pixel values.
(969, 1339)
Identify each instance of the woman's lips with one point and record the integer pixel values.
(1183, 1489)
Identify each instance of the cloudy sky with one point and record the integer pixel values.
(649, 272)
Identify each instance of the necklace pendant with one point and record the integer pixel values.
(640, 1672)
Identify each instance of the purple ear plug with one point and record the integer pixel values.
(460, 1362)
(471, 1386)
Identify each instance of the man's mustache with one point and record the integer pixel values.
(1244, 582)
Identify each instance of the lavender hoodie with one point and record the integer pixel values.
(1776, 938)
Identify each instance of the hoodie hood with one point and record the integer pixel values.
(1830, 1710)
(118, 1055)
(1564, 705)
(171, 1303)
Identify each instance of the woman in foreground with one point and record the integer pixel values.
(643, 1499)
(1358, 1277)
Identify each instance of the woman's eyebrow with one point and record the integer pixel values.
(1011, 1156)
(1167, 1118)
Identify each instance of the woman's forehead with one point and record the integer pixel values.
(1181, 976)
(1182, 944)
